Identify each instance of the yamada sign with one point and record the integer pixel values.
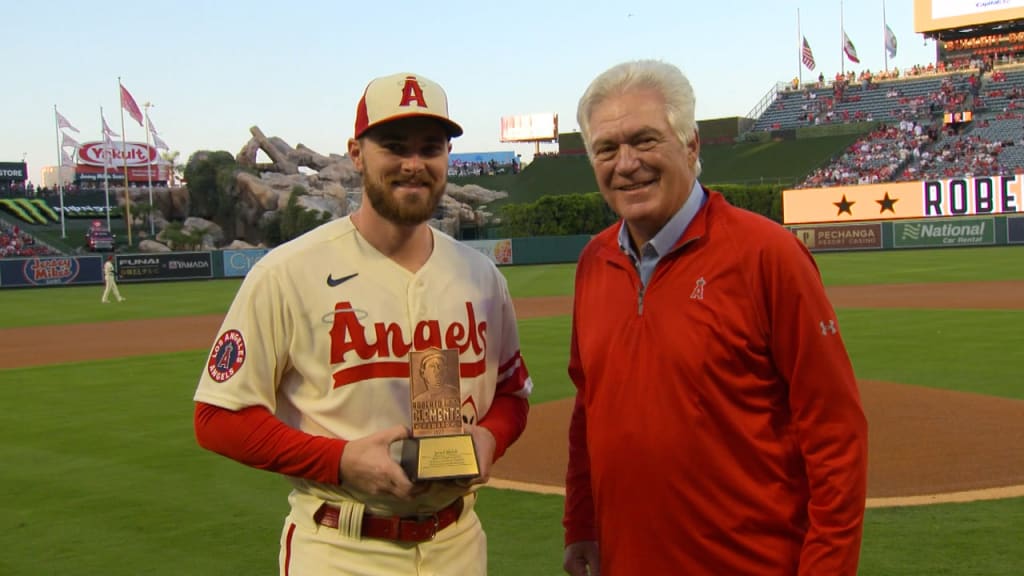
(128, 154)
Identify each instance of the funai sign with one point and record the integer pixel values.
(959, 232)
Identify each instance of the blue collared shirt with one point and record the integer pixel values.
(652, 251)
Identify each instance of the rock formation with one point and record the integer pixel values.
(333, 185)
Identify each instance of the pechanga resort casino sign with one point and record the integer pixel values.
(130, 154)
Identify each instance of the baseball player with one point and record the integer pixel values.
(309, 375)
(110, 282)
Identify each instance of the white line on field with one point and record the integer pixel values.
(888, 502)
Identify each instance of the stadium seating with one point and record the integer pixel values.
(993, 143)
(883, 101)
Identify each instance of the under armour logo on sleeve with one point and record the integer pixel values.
(827, 329)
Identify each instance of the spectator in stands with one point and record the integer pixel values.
(16, 243)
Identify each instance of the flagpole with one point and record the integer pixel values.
(149, 173)
(124, 150)
(842, 41)
(885, 39)
(60, 174)
(799, 52)
(106, 164)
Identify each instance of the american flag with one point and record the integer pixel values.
(807, 56)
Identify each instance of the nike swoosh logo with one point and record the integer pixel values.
(332, 282)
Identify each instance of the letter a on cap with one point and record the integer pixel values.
(402, 95)
(412, 92)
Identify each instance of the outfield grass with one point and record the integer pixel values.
(545, 346)
(102, 474)
(911, 266)
(77, 304)
(969, 350)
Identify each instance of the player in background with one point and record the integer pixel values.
(309, 376)
(110, 282)
(717, 428)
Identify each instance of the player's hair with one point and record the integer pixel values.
(667, 79)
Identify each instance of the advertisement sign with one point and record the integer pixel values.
(959, 232)
(129, 154)
(155, 173)
(164, 266)
(931, 15)
(13, 171)
(1015, 230)
(498, 251)
(51, 271)
(962, 196)
(529, 128)
(239, 262)
(846, 237)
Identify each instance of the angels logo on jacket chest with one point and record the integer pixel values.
(698, 289)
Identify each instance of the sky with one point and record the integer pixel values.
(296, 69)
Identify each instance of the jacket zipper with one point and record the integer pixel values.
(643, 289)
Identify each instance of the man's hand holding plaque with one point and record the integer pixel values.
(439, 448)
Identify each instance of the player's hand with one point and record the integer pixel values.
(582, 559)
(485, 444)
(366, 465)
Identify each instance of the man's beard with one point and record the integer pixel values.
(409, 210)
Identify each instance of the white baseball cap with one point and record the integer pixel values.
(403, 95)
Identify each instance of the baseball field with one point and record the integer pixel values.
(101, 474)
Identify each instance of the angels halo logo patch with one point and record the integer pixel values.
(227, 356)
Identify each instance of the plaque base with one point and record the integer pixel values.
(450, 457)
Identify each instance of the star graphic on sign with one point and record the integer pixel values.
(844, 206)
(887, 203)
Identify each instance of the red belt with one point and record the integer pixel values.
(409, 529)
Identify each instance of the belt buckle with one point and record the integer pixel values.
(419, 528)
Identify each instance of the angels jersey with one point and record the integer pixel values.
(332, 320)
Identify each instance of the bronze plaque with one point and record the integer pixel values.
(439, 449)
(435, 393)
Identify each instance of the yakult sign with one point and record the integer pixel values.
(131, 154)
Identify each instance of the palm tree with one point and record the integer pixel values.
(176, 169)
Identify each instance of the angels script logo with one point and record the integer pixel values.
(386, 346)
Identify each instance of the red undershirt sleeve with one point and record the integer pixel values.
(257, 438)
(506, 420)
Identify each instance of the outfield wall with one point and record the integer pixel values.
(907, 234)
(206, 265)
